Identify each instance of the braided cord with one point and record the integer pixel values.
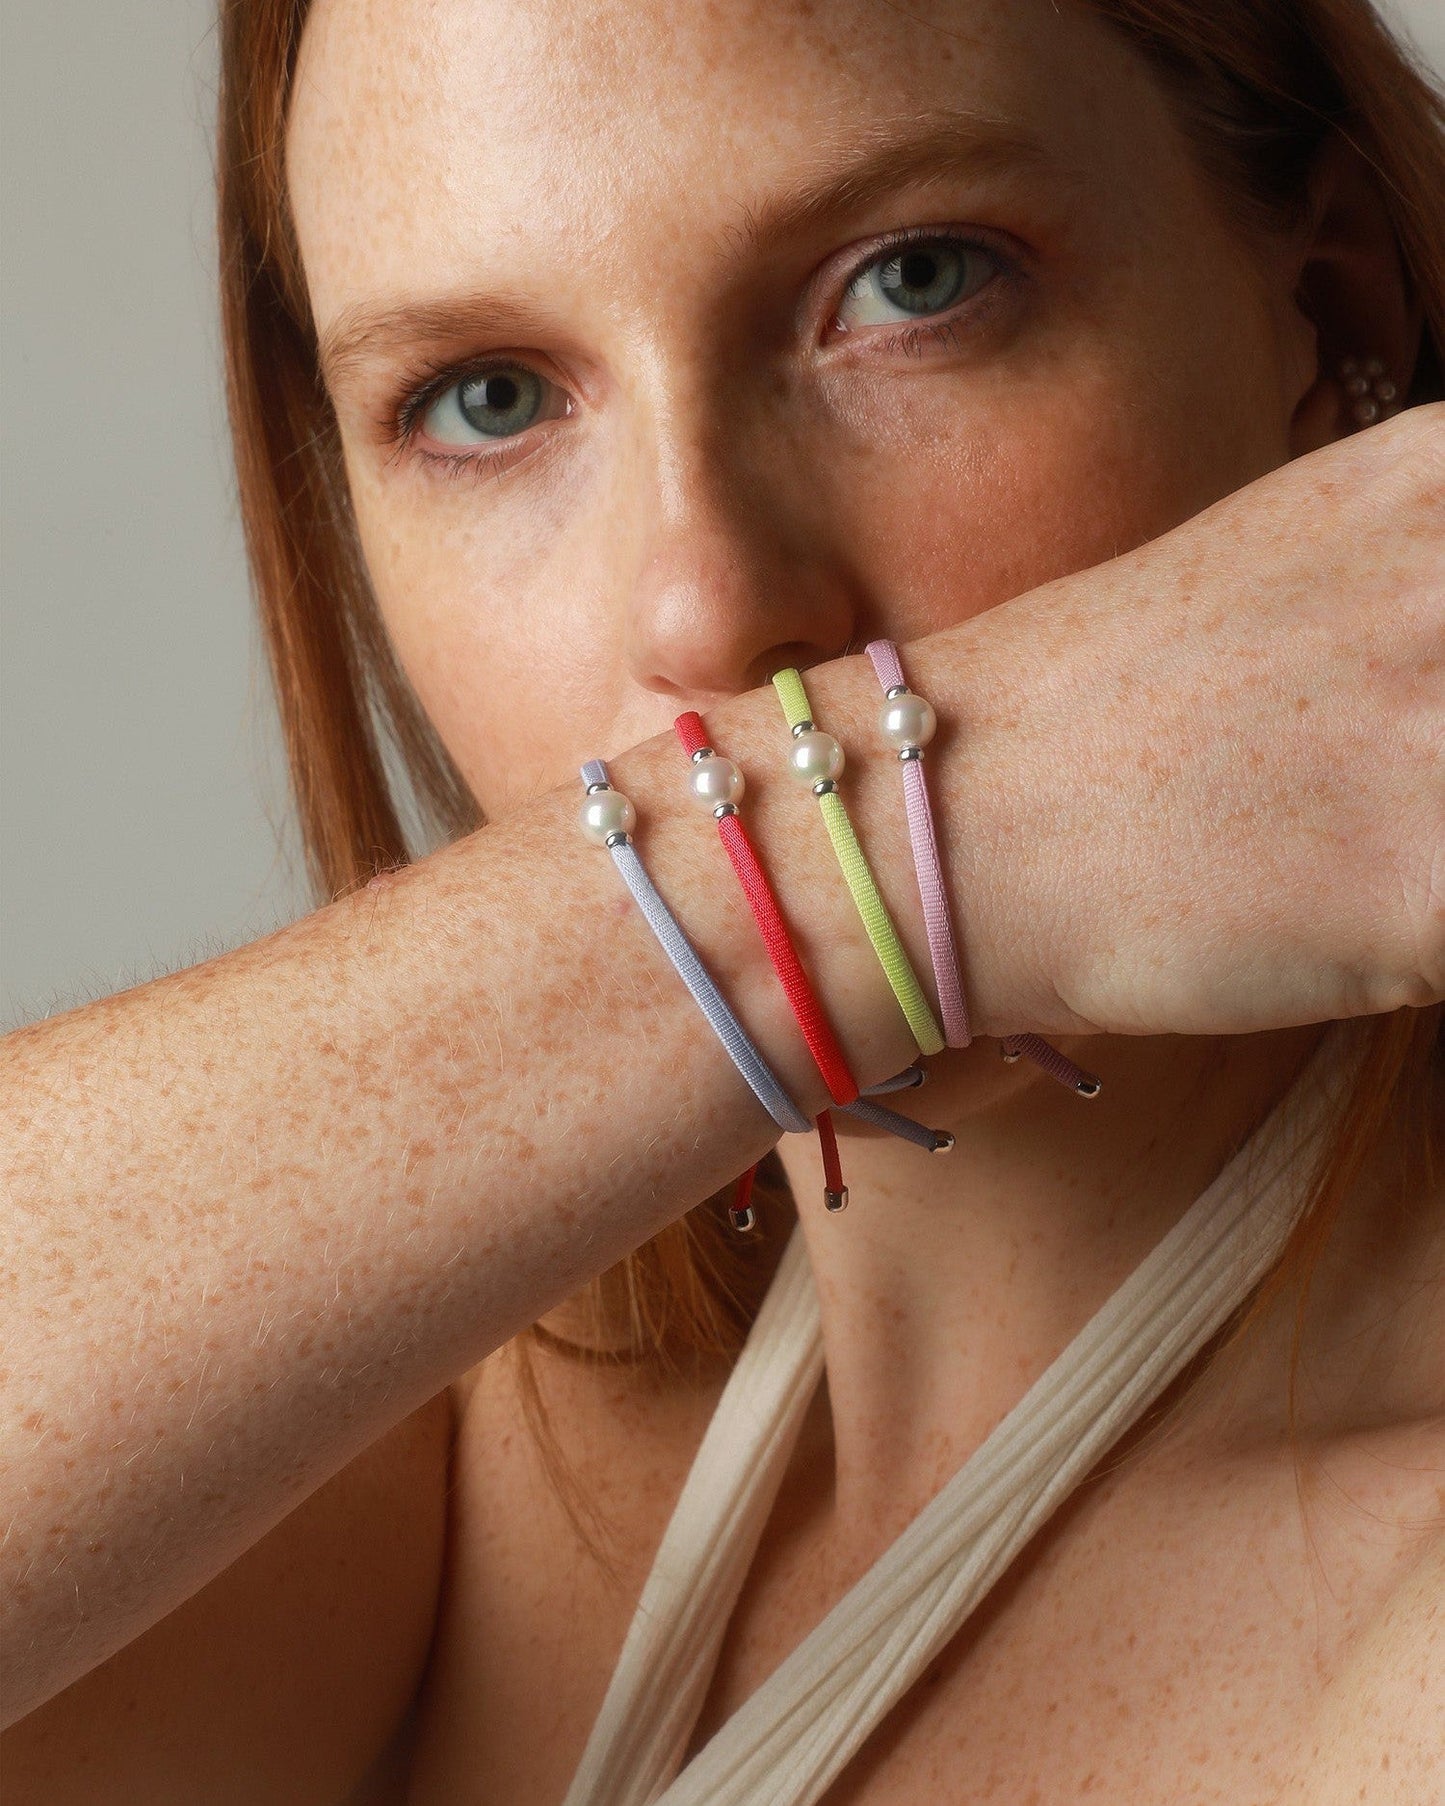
(872, 911)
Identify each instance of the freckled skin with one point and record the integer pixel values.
(272, 1204)
(710, 503)
(736, 489)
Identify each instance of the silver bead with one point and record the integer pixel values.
(713, 780)
(605, 814)
(907, 720)
(814, 757)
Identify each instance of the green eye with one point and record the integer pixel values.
(492, 404)
(916, 280)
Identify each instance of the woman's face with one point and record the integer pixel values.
(673, 344)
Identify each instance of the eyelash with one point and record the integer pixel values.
(425, 383)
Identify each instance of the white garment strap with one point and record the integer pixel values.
(788, 1742)
(672, 1648)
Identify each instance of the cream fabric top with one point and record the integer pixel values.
(790, 1740)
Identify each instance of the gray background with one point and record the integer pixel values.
(144, 822)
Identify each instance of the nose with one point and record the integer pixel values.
(738, 575)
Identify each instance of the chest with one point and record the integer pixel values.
(1157, 1643)
(1169, 1637)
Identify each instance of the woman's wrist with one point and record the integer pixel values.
(975, 758)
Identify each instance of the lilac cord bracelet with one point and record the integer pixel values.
(908, 723)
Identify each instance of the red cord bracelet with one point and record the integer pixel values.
(817, 1030)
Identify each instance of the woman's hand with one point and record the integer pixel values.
(1216, 766)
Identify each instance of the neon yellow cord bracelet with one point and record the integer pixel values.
(816, 759)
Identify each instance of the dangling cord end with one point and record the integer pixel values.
(741, 1214)
(1057, 1065)
(835, 1192)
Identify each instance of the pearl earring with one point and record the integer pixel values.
(1368, 387)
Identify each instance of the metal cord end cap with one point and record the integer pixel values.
(825, 787)
(619, 839)
(942, 1141)
(743, 1220)
(1089, 1087)
(836, 1200)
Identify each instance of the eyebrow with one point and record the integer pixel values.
(938, 145)
(861, 167)
(361, 332)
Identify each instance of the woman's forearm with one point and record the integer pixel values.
(264, 1208)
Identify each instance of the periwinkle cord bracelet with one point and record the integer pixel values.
(908, 723)
(608, 818)
(816, 759)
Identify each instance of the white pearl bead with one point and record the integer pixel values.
(1367, 412)
(907, 720)
(714, 781)
(1385, 391)
(607, 812)
(1374, 366)
(814, 756)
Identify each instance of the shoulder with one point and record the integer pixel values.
(285, 1676)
